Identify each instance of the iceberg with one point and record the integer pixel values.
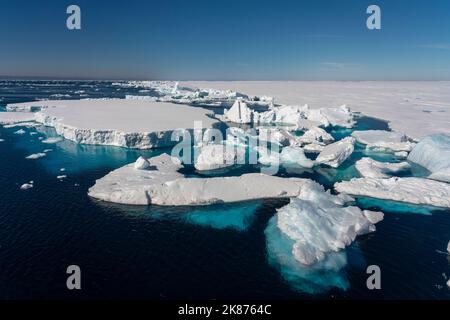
(319, 223)
(124, 123)
(370, 168)
(433, 153)
(410, 190)
(380, 140)
(218, 156)
(164, 185)
(336, 153)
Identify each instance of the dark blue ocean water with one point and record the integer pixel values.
(209, 252)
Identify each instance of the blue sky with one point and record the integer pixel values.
(226, 40)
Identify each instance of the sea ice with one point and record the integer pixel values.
(380, 140)
(164, 185)
(336, 153)
(10, 118)
(295, 156)
(433, 153)
(411, 190)
(316, 135)
(141, 164)
(370, 168)
(120, 122)
(277, 136)
(239, 113)
(27, 186)
(61, 177)
(319, 223)
(218, 156)
(52, 140)
(20, 132)
(36, 156)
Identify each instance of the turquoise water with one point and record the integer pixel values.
(220, 251)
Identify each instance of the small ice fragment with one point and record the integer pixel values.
(448, 247)
(36, 156)
(61, 177)
(1, 140)
(26, 186)
(47, 150)
(33, 133)
(52, 140)
(21, 131)
(62, 169)
(141, 164)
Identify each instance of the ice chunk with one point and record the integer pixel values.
(316, 135)
(319, 223)
(20, 132)
(52, 140)
(448, 247)
(141, 164)
(166, 186)
(239, 113)
(433, 153)
(217, 156)
(339, 117)
(295, 156)
(401, 154)
(27, 186)
(380, 140)
(336, 153)
(36, 156)
(411, 190)
(277, 136)
(61, 177)
(370, 168)
(313, 148)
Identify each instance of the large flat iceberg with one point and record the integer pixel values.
(164, 185)
(411, 190)
(124, 123)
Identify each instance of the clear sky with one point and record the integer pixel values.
(226, 40)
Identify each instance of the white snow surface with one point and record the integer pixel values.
(164, 185)
(433, 153)
(9, 118)
(125, 123)
(319, 223)
(336, 153)
(410, 190)
(370, 168)
(417, 108)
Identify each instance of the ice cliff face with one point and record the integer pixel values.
(433, 153)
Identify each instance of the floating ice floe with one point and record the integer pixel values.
(52, 140)
(319, 223)
(218, 156)
(277, 136)
(370, 168)
(380, 140)
(27, 186)
(433, 153)
(47, 150)
(448, 247)
(20, 132)
(164, 185)
(336, 153)
(61, 177)
(125, 123)
(410, 190)
(36, 156)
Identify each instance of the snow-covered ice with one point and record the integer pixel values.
(9, 118)
(125, 123)
(141, 164)
(370, 168)
(319, 223)
(218, 156)
(411, 190)
(239, 113)
(401, 103)
(336, 153)
(433, 153)
(316, 135)
(164, 185)
(289, 156)
(381, 140)
(36, 156)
